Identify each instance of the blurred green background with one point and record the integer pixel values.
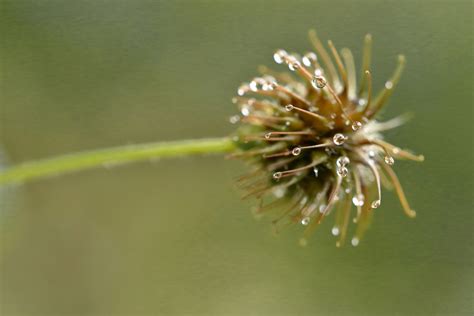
(172, 237)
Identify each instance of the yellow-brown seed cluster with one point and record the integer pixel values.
(314, 142)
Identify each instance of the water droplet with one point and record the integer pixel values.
(316, 171)
(279, 56)
(234, 119)
(342, 161)
(305, 221)
(309, 58)
(318, 72)
(356, 126)
(389, 160)
(322, 207)
(388, 85)
(289, 107)
(277, 175)
(293, 65)
(335, 231)
(245, 111)
(358, 200)
(396, 150)
(279, 192)
(342, 171)
(339, 139)
(319, 82)
(296, 151)
(253, 85)
(242, 89)
(347, 190)
(362, 102)
(268, 135)
(375, 204)
(371, 154)
(355, 241)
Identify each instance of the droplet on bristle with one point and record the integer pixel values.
(356, 126)
(245, 111)
(319, 82)
(277, 175)
(355, 241)
(305, 221)
(318, 72)
(342, 161)
(335, 231)
(253, 85)
(289, 107)
(234, 119)
(309, 58)
(296, 151)
(316, 171)
(375, 204)
(339, 139)
(242, 89)
(279, 56)
(342, 171)
(396, 150)
(389, 160)
(371, 154)
(294, 64)
(358, 200)
(322, 207)
(388, 85)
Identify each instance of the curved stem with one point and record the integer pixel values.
(112, 156)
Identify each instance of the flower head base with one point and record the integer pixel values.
(315, 144)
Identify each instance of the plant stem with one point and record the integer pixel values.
(112, 156)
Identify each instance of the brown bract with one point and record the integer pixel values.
(313, 140)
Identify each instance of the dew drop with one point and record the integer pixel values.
(253, 85)
(309, 58)
(388, 85)
(316, 171)
(358, 200)
(279, 56)
(342, 171)
(371, 154)
(234, 119)
(242, 89)
(342, 161)
(322, 207)
(356, 126)
(305, 221)
(318, 72)
(335, 231)
(296, 151)
(289, 107)
(277, 175)
(245, 111)
(362, 102)
(319, 82)
(389, 160)
(396, 150)
(339, 139)
(375, 204)
(293, 65)
(355, 241)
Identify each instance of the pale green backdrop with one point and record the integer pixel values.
(172, 237)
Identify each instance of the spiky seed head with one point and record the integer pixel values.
(312, 136)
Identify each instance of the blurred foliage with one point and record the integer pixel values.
(172, 237)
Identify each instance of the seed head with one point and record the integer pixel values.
(312, 136)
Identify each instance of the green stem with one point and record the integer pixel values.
(113, 156)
